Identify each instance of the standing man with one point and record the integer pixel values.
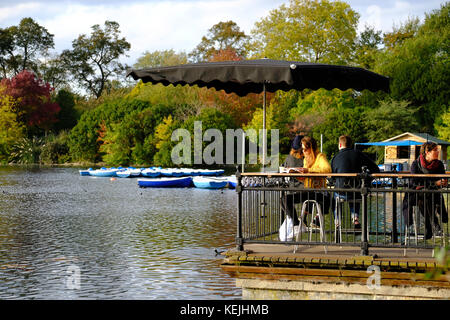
(349, 160)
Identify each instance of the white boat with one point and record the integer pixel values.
(210, 182)
(85, 172)
(128, 173)
(151, 172)
(208, 172)
(172, 172)
(232, 181)
(104, 172)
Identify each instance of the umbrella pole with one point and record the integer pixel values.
(264, 128)
(264, 150)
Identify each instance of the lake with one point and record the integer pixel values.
(65, 236)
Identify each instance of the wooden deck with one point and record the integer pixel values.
(340, 253)
(277, 262)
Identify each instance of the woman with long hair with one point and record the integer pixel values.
(314, 162)
(431, 205)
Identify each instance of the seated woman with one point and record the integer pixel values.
(295, 157)
(314, 162)
(428, 203)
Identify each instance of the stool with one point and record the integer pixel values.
(337, 222)
(415, 208)
(316, 210)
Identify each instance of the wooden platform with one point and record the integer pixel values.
(340, 266)
(341, 253)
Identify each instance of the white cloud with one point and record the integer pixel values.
(19, 10)
(383, 15)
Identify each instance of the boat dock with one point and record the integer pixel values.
(383, 260)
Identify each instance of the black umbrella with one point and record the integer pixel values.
(256, 76)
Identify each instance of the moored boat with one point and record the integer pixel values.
(151, 172)
(208, 172)
(85, 172)
(232, 182)
(210, 182)
(128, 172)
(169, 182)
(104, 172)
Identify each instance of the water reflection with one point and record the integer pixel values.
(128, 243)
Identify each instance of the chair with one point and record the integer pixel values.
(316, 210)
(340, 201)
(414, 215)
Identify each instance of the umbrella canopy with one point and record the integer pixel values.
(256, 76)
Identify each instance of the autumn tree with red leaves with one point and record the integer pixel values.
(240, 108)
(35, 108)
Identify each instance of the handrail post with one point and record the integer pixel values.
(365, 223)
(239, 239)
(394, 211)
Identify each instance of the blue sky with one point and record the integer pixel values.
(179, 25)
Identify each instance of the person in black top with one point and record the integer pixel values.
(429, 203)
(295, 157)
(349, 160)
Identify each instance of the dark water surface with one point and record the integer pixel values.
(124, 242)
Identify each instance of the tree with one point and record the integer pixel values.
(94, 60)
(419, 68)
(34, 107)
(390, 119)
(11, 130)
(221, 36)
(348, 121)
(312, 30)
(6, 50)
(367, 47)
(67, 116)
(406, 30)
(21, 46)
(54, 72)
(160, 59)
(90, 131)
(443, 126)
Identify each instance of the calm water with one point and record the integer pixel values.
(125, 242)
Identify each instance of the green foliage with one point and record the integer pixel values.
(162, 141)
(55, 148)
(21, 47)
(210, 118)
(183, 99)
(367, 47)
(349, 121)
(442, 258)
(160, 59)
(313, 30)
(84, 139)
(67, 116)
(420, 70)
(443, 126)
(27, 150)
(11, 130)
(126, 142)
(391, 118)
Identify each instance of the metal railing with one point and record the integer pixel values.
(399, 210)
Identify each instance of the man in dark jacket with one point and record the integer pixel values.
(349, 160)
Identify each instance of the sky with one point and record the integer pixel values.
(150, 25)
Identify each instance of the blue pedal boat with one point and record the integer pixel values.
(210, 182)
(169, 182)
